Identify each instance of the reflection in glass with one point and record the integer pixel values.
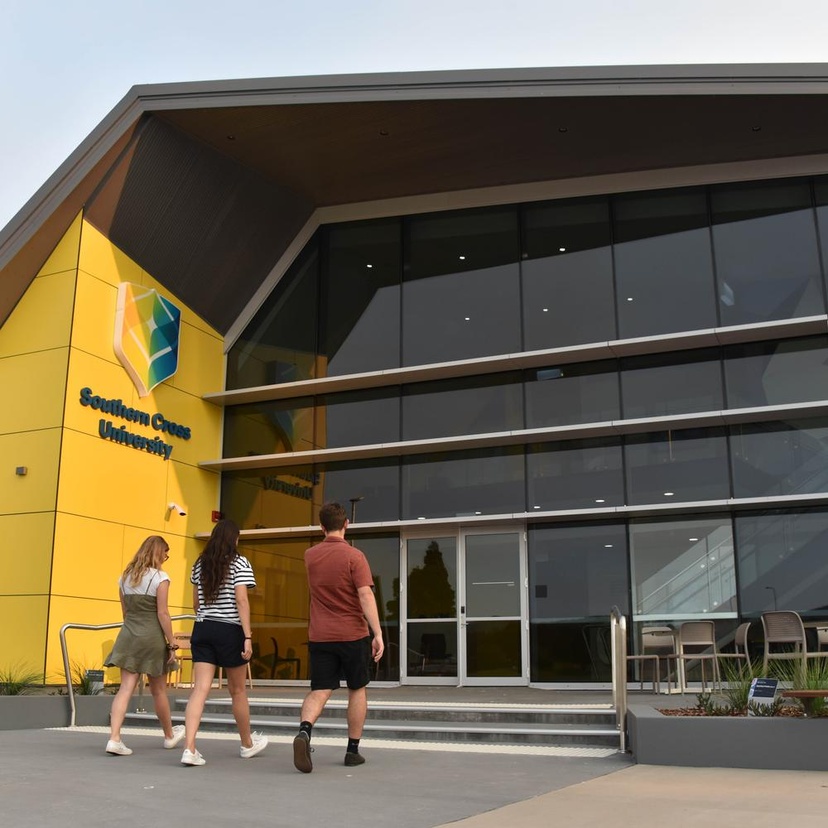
(476, 405)
(780, 458)
(575, 474)
(358, 418)
(273, 427)
(663, 262)
(269, 498)
(569, 394)
(782, 557)
(360, 327)
(463, 483)
(682, 567)
(566, 269)
(432, 648)
(279, 345)
(767, 262)
(662, 385)
(461, 297)
(372, 485)
(492, 575)
(493, 649)
(676, 466)
(432, 578)
(776, 373)
(575, 573)
(383, 554)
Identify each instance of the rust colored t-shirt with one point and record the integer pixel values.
(336, 570)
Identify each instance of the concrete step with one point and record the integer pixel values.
(418, 722)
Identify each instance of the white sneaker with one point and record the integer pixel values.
(117, 748)
(190, 757)
(178, 732)
(259, 744)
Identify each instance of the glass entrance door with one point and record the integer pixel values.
(493, 613)
(465, 608)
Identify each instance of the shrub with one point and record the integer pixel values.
(17, 680)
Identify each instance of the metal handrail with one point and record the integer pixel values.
(618, 647)
(65, 652)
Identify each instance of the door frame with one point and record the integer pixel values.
(459, 534)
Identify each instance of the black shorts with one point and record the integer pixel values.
(332, 661)
(217, 642)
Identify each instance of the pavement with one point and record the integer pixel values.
(64, 778)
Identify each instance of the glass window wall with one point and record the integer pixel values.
(767, 259)
(566, 273)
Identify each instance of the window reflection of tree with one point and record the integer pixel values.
(430, 593)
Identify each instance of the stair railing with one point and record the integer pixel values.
(618, 647)
(70, 689)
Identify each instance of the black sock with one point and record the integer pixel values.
(306, 727)
(353, 746)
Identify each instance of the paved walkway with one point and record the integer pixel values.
(64, 779)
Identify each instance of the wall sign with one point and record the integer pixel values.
(107, 430)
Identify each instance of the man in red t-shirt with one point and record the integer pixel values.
(342, 608)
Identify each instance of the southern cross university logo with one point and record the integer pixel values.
(147, 328)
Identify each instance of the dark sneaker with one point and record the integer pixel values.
(302, 752)
(354, 759)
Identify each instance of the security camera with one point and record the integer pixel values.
(174, 507)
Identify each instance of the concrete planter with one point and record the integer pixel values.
(25, 712)
(779, 743)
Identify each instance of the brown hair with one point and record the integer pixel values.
(332, 516)
(150, 555)
(216, 558)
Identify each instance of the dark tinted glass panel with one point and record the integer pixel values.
(469, 406)
(767, 264)
(383, 554)
(775, 373)
(780, 458)
(782, 561)
(360, 329)
(567, 274)
(359, 418)
(657, 386)
(676, 466)
(493, 648)
(575, 573)
(279, 608)
(270, 498)
(663, 263)
(279, 345)
(569, 394)
(682, 567)
(461, 297)
(370, 489)
(821, 193)
(575, 474)
(269, 427)
(463, 483)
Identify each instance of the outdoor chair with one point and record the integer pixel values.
(697, 642)
(740, 646)
(784, 628)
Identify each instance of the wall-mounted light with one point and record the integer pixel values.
(21, 471)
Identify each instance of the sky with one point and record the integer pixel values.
(64, 66)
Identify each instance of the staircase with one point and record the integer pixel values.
(467, 723)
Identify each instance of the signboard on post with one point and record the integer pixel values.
(762, 692)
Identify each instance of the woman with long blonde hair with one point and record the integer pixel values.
(146, 643)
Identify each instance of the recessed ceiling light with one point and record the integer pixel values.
(536, 507)
(420, 518)
(546, 310)
(629, 298)
(668, 494)
(467, 318)
(477, 513)
(756, 128)
(561, 250)
(692, 539)
(369, 265)
(607, 546)
(600, 500)
(462, 258)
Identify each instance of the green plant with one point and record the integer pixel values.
(813, 677)
(17, 679)
(737, 677)
(771, 709)
(81, 682)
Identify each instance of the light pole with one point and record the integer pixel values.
(354, 501)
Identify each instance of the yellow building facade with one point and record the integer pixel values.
(77, 502)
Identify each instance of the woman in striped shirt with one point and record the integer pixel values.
(221, 636)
